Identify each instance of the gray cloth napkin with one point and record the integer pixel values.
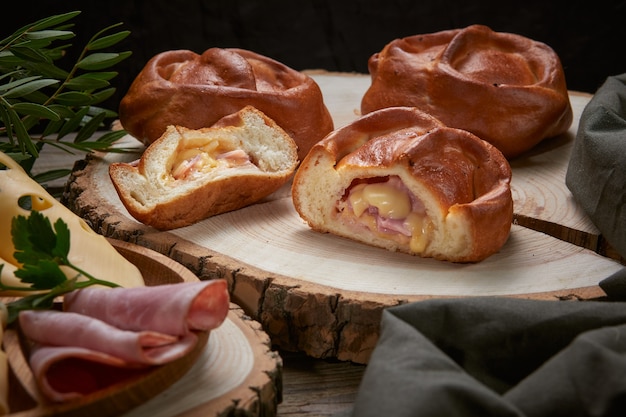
(498, 357)
(596, 174)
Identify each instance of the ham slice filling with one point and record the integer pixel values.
(191, 160)
(386, 207)
(105, 336)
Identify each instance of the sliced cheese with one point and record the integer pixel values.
(88, 250)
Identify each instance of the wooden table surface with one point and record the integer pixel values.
(318, 387)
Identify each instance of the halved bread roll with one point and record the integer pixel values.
(188, 175)
(399, 179)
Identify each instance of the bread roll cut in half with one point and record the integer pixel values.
(188, 175)
(186, 89)
(399, 179)
(505, 88)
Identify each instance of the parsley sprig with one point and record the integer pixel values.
(41, 102)
(42, 249)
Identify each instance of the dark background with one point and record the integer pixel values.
(338, 35)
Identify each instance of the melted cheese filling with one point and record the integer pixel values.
(389, 210)
(214, 154)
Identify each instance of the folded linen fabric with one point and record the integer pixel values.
(596, 174)
(497, 356)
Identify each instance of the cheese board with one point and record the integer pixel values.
(231, 369)
(324, 295)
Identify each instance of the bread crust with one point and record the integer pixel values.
(153, 197)
(463, 181)
(183, 88)
(505, 88)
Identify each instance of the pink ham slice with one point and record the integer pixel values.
(172, 309)
(66, 373)
(55, 328)
(108, 335)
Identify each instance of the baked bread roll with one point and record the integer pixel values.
(506, 89)
(185, 89)
(188, 175)
(399, 179)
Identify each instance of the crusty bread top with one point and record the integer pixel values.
(186, 89)
(153, 193)
(462, 181)
(505, 88)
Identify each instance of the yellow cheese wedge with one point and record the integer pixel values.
(88, 250)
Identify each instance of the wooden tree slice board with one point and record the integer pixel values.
(232, 370)
(323, 295)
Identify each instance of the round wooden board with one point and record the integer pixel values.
(324, 295)
(231, 371)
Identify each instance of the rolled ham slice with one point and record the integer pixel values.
(106, 336)
(173, 309)
(66, 373)
(66, 329)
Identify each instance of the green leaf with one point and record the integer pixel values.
(7, 59)
(52, 127)
(111, 137)
(102, 60)
(28, 303)
(53, 20)
(89, 146)
(90, 128)
(46, 69)
(35, 110)
(10, 75)
(107, 41)
(29, 87)
(74, 98)
(63, 111)
(102, 95)
(33, 238)
(103, 75)
(8, 124)
(72, 124)
(49, 35)
(94, 110)
(26, 144)
(30, 121)
(19, 157)
(18, 82)
(42, 274)
(86, 82)
(51, 175)
(62, 247)
(29, 54)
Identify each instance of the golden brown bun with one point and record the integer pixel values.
(165, 190)
(460, 181)
(506, 89)
(186, 89)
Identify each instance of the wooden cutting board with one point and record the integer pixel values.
(324, 295)
(232, 370)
